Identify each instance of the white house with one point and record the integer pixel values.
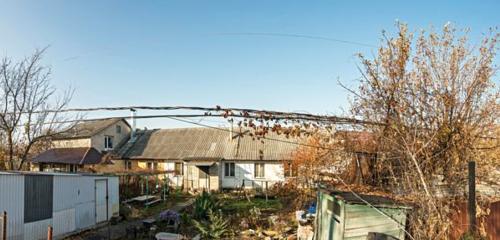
(207, 158)
(82, 147)
(103, 135)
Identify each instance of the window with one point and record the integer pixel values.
(152, 165)
(108, 142)
(259, 170)
(290, 169)
(178, 168)
(118, 129)
(128, 165)
(228, 169)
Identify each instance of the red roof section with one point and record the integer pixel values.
(79, 156)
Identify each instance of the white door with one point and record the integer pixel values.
(101, 200)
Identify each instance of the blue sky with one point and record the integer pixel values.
(118, 53)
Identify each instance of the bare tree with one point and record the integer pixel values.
(436, 96)
(29, 108)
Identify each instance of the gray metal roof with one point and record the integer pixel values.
(86, 129)
(206, 144)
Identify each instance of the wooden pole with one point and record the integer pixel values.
(49, 233)
(4, 225)
(472, 197)
(266, 191)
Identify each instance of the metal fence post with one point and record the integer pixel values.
(49, 233)
(4, 225)
(472, 197)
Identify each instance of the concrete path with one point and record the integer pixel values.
(118, 231)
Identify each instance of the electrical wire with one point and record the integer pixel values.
(227, 112)
(299, 36)
(400, 226)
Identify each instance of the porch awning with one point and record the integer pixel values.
(201, 163)
(196, 161)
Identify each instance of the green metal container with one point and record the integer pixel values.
(345, 215)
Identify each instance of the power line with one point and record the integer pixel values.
(229, 112)
(261, 137)
(400, 226)
(299, 36)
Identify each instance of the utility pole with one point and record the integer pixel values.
(472, 197)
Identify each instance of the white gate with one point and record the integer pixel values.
(101, 200)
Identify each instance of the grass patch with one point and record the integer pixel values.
(232, 205)
(155, 209)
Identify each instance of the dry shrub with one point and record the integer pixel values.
(293, 196)
(437, 103)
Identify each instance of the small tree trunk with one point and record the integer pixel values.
(11, 151)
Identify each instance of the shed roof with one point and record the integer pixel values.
(204, 144)
(375, 200)
(86, 129)
(77, 156)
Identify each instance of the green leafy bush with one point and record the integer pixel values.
(213, 228)
(204, 203)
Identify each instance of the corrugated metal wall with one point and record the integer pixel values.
(11, 195)
(63, 221)
(491, 221)
(71, 198)
(114, 196)
(70, 192)
(36, 230)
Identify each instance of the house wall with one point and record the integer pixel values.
(192, 178)
(174, 180)
(141, 165)
(245, 170)
(115, 166)
(97, 141)
(72, 143)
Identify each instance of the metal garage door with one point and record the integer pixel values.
(101, 200)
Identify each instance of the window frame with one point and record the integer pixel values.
(128, 165)
(108, 142)
(118, 129)
(227, 170)
(179, 171)
(290, 169)
(263, 168)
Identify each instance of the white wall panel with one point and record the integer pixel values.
(73, 204)
(85, 215)
(37, 230)
(64, 221)
(114, 196)
(246, 171)
(11, 201)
